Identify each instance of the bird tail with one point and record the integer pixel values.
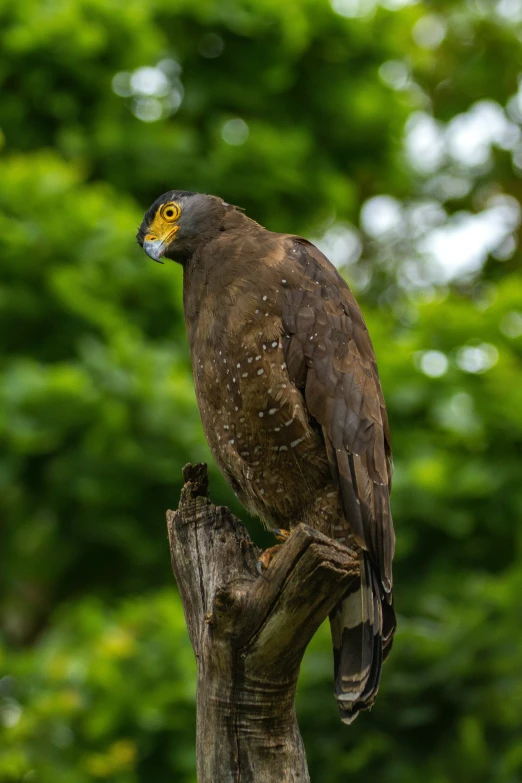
(362, 626)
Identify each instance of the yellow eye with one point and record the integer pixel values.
(170, 212)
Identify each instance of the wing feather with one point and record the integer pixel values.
(330, 358)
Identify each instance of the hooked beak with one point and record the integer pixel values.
(155, 249)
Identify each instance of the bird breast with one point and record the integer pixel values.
(254, 417)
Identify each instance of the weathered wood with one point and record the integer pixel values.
(249, 633)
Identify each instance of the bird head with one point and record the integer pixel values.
(178, 223)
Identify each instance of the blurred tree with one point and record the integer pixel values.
(107, 692)
(390, 133)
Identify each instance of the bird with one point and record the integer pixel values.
(291, 404)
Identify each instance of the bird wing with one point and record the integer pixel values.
(330, 357)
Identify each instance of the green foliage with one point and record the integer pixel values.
(104, 693)
(298, 113)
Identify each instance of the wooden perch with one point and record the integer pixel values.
(249, 633)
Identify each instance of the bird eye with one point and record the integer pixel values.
(170, 212)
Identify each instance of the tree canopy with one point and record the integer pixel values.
(389, 133)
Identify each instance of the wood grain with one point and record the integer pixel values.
(249, 633)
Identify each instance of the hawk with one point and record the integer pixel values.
(291, 404)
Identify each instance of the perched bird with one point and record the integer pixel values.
(291, 404)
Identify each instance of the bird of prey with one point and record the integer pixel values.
(291, 403)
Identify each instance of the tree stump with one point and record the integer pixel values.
(249, 633)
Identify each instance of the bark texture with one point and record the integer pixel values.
(249, 633)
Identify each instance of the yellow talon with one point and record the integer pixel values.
(266, 557)
(281, 535)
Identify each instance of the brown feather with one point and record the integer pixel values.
(292, 408)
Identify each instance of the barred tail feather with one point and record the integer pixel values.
(362, 627)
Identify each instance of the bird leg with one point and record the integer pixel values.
(267, 555)
(280, 534)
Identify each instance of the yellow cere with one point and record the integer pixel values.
(161, 227)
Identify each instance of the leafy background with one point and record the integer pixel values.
(390, 133)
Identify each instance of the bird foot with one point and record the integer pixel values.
(266, 557)
(281, 535)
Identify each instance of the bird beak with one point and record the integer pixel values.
(155, 249)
